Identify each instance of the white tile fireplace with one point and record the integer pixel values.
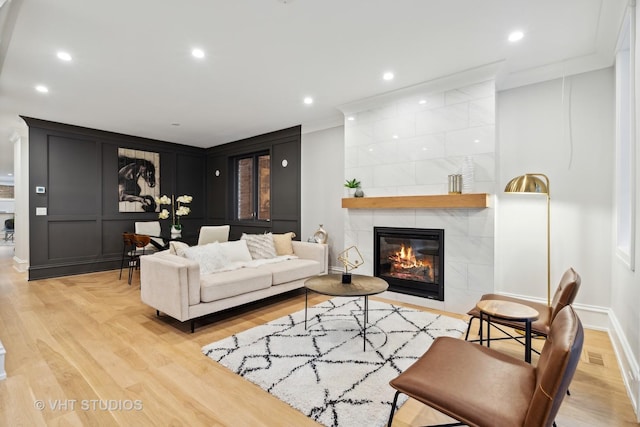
(407, 143)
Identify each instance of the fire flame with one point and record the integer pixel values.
(406, 259)
(404, 264)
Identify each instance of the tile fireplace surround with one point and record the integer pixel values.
(406, 143)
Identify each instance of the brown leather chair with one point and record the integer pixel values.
(564, 295)
(480, 386)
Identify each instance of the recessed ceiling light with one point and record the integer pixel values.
(198, 53)
(516, 36)
(308, 100)
(64, 56)
(476, 140)
(394, 136)
(351, 118)
(388, 75)
(422, 101)
(42, 89)
(10, 174)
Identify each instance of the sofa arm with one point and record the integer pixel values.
(315, 251)
(169, 284)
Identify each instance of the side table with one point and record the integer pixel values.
(508, 310)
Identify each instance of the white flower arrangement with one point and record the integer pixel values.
(177, 208)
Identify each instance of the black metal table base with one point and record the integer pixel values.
(365, 316)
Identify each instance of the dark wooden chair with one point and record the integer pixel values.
(133, 246)
(9, 229)
(483, 387)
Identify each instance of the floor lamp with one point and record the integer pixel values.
(536, 183)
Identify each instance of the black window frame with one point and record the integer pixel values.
(255, 156)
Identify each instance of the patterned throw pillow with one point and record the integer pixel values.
(210, 257)
(282, 242)
(260, 245)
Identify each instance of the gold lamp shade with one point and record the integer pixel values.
(528, 183)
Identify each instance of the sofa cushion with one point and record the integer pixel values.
(290, 270)
(260, 245)
(177, 248)
(236, 251)
(230, 283)
(283, 244)
(210, 257)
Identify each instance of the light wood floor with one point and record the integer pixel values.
(77, 345)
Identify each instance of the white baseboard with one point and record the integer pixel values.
(626, 361)
(20, 265)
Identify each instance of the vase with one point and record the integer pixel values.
(176, 231)
(467, 175)
(320, 235)
(358, 192)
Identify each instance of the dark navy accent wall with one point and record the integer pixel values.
(82, 231)
(285, 182)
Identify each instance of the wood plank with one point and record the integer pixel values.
(436, 201)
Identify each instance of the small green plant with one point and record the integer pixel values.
(352, 183)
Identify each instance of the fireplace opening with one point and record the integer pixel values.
(411, 260)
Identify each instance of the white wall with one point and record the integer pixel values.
(569, 138)
(322, 187)
(625, 284)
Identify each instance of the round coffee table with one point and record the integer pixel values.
(508, 310)
(360, 286)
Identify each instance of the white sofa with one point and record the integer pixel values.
(174, 285)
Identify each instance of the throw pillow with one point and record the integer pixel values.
(177, 248)
(236, 251)
(260, 245)
(210, 257)
(283, 244)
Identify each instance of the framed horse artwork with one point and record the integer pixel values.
(138, 178)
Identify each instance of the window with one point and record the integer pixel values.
(625, 143)
(253, 187)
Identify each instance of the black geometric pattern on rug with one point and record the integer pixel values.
(323, 371)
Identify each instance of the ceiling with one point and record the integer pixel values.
(132, 70)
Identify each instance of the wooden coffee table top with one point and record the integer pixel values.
(331, 284)
(507, 309)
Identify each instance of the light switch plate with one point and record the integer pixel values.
(40, 190)
(41, 211)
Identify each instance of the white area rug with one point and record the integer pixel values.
(323, 371)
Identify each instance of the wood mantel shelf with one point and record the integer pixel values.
(436, 201)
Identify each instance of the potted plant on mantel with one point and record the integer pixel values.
(354, 187)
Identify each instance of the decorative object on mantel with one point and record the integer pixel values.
(531, 183)
(177, 210)
(351, 258)
(358, 192)
(320, 236)
(467, 175)
(353, 185)
(455, 184)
